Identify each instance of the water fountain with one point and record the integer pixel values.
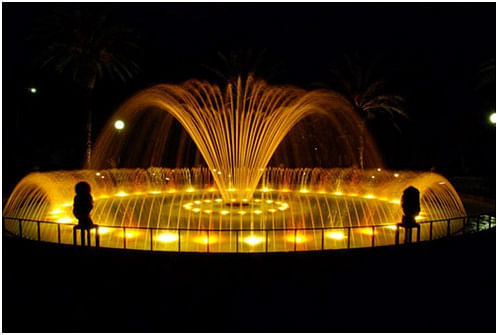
(236, 203)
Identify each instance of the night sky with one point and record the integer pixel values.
(430, 54)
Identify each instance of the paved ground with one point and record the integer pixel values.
(447, 285)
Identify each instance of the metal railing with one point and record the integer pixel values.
(464, 225)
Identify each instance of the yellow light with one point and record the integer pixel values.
(257, 200)
(335, 235)
(172, 190)
(321, 192)
(119, 124)
(383, 199)
(190, 190)
(104, 196)
(366, 231)
(167, 237)
(272, 210)
(65, 220)
(419, 217)
(196, 210)
(212, 189)
(338, 193)
(219, 172)
(245, 200)
(396, 175)
(207, 201)
(285, 190)
(128, 234)
(121, 194)
(138, 193)
(392, 227)
(97, 174)
(303, 190)
(395, 202)
(373, 177)
(233, 200)
(155, 192)
(266, 189)
(269, 201)
(219, 200)
(56, 211)
(208, 211)
(257, 211)
(254, 240)
(224, 212)
(299, 238)
(282, 208)
(197, 202)
(103, 230)
(232, 189)
(379, 169)
(205, 239)
(67, 204)
(369, 196)
(353, 194)
(242, 212)
(188, 205)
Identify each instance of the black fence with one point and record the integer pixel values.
(250, 240)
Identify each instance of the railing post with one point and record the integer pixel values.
(295, 239)
(448, 228)
(151, 242)
(208, 240)
(124, 237)
(179, 240)
(396, 238)
(236, 241)
(59, 233)
(38, 229)
(349, 237)
(323, 238)
(97, 237)
(266, 240)
(20, 228)
(373, 236)
(430, 231)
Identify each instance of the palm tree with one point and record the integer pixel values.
(87, 46)
(244, 62)
(366, 94)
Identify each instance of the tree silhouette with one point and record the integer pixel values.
(88, 46)
(366, 93)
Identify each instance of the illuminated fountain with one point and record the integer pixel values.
(236, 204)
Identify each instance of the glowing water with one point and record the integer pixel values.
(250, 207)
(236, 130)
(188, 199)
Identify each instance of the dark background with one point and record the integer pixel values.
(430, 54)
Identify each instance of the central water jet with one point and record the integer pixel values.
(236, 130)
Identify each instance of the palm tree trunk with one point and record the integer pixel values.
(89, 137)
(361, 147)
(89, 122)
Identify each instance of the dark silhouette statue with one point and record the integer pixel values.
(410, 202)
(82, 206)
